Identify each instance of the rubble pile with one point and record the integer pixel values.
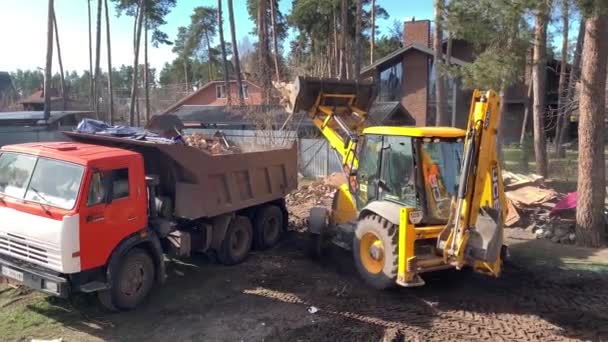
(533, 206)
(214, 144)
(318, 193)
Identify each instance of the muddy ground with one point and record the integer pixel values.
(268, 298)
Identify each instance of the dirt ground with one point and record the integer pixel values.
(541, 296)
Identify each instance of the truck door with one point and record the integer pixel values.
(112, 212)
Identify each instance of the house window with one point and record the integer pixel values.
(245, 91)
(220, 91)
(452, 90)
(391, 80)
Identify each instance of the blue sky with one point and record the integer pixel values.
(23, 26)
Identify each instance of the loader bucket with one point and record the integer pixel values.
(306, 90)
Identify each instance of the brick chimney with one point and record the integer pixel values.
(417, 32)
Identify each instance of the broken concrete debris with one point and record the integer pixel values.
(216, 144)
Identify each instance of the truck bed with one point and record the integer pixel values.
(206, 185)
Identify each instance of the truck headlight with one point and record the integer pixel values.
(50, 286)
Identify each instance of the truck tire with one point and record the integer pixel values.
(131, 283)
(237, 241)
(267, 226)
(375, 250)
(318, 221)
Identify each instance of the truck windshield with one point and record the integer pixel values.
(42, 180)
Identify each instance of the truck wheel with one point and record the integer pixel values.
(267, 226)
(132, 282)
(375, 250)
(237, 242)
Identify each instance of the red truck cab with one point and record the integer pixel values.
(64, 208)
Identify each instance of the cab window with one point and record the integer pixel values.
(117, 186)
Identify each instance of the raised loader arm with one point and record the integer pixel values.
(338, 108)
(474, 234)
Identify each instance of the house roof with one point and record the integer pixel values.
(383, 112)
(35, 117)
(398, 53)
(177, 104)
(222, 115)
(38, 96)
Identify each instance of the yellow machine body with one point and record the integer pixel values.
(468, 230)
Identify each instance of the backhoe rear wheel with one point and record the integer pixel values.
(375, 250)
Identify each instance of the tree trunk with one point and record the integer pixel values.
(235, 55)
(561, 89)
(220, 23)
(538, 80)
(448, 62)
(109, 48)
(186, 74)
(344, 36)
(91, 90)
(134, 84)
(275, 45)
(336, 52)
(528, 104)
(63, 95)
(49, 62)
(357, 70)
(591, 185)
(372, 37)
(264, 54)
(146, 70)
(574, 76)
(209, 65)
(441, 115)
(97, 59)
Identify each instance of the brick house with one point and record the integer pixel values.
(214, 94)
(407, 76)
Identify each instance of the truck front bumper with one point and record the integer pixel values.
(34, 277)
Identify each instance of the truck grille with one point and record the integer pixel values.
(29, 250)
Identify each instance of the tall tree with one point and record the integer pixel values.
(539, 84)
(358, 20)
(561, 89)
(146, 69)
(91, 89)
(109, 48)
(441, 114)
(343, 38)
(97, 58)
(60, 60)
(203, 27)
(49, 62)
(134, 84)
(275, 44)
(263, 50)
(372, 37)
(220, 26)
(235, 54)
(574, 76)
(591, 185)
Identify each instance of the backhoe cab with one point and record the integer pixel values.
(419, 199)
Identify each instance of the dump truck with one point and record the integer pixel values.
(418, 199)
(98, 214)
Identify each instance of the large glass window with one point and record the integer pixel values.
(441, 164)
(391, 80)
(47, 181)
(367, 173)
(451, 93)
(398, 171)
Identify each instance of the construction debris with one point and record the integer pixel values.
(216, 144)
(318, 193)
(513, 180)
(530, 196)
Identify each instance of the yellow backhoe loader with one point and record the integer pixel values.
(418, 199)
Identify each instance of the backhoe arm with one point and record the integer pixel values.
(474, 234)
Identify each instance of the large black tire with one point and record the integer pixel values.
(131, 282)
(237, 242)
(267, 226)
(375, 250)
(318, 220)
